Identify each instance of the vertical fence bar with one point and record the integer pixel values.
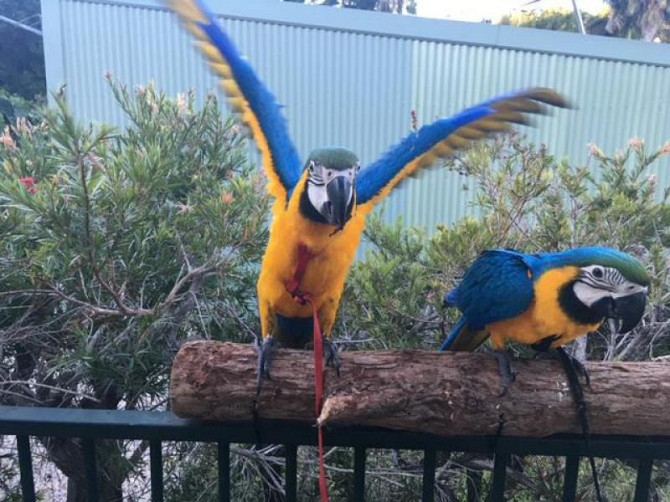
(359, 474)
(570, 480)
(90, 468)
(499, 474)
(428, 475)
(26, 468)
(291, 472)
(643, 480)
(223, 455)
(156, 459)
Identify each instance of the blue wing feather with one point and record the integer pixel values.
(380, 173)
(262, 104)
(496, 287)
(455, 333)
(446, 135)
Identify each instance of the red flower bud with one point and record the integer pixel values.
(29, 183)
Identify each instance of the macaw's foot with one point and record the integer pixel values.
(576, 364)
(266, 351)
(507, 371)
(332, 355)
(544, 347)
(573, 368)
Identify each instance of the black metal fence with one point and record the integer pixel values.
(91, 425)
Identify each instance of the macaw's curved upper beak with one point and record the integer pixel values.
(629, 309)
(340, 201)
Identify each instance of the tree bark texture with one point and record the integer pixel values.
(448, 394)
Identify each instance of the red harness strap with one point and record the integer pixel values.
(293, 287)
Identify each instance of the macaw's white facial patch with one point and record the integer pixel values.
(596, 282)
(320, 176)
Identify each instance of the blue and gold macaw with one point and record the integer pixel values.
(321, 205)
(545, 300)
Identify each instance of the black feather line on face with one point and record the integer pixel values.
(574, 308)
(605, 283)
(597, 284)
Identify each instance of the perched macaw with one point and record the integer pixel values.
(545, 300)
(321, 204)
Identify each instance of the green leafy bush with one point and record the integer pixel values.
(527, 200)
(116, 247)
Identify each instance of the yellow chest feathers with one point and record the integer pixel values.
(545, 317)
(324, 277)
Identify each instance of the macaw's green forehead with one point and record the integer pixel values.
(333, 158)
(630, 267)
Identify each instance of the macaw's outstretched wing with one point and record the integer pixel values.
(247, 95)
(444, 136)
(497, 286)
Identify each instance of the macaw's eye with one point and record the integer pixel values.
(598, 273)
(311, 167)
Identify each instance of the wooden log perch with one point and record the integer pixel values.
(448, 394)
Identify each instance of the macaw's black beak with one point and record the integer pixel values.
(629, 309)
(340, 201)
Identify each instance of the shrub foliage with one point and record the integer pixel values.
(120, 244)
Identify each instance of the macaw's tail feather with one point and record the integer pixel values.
(463, 339)
(453, 336)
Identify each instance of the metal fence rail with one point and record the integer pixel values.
(91, 425)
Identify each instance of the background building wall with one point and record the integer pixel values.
(352, 78)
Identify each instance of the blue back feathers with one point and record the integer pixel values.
(497, 286)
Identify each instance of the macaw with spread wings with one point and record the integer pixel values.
(321, 204)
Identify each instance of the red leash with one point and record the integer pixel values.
(293, 287)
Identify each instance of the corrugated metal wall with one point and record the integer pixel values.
(352, 78)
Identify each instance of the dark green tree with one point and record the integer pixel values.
(640, 19)
(557, 20)
(635, 19)
(21, 52)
